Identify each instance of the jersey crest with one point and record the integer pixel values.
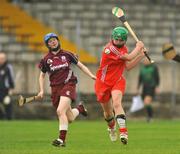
(107, 51)
(49, 61)
(63, 58)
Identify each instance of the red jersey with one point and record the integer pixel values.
(58, 67)
(111, 66)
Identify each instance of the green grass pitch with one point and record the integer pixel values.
(89, 137)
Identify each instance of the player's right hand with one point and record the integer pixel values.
(41, 94)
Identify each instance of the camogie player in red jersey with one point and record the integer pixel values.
(110, 82)
(63, 84)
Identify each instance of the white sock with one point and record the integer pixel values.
(75, 112)
(121, 122)
(63, 127)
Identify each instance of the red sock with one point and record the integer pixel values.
(122, 130)
(62, 134)
(79, 108)
(111, 124)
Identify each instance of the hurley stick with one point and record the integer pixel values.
(120, 14)
(22, 100)
(169, 52)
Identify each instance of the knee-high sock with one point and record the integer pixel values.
(62, 132)
(149, 111)
(111, 122)
(121, 120)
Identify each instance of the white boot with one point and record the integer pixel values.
(112, 134)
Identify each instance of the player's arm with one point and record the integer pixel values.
(86, 70)
(133, 63)
(41, 84)
(42, 66)
(134, 53)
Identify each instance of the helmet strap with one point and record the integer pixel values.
(54, 49)
(118, 46)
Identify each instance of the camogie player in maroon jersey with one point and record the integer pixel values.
(62, 82)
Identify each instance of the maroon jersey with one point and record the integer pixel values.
(58, 67)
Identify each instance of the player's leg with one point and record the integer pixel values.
(109, 117)
(73, 113)
(120, 115)
(8, 109)
(117, 94)
(71, 89)
(2, 106)
(103, 94)
(64, 105)
(148, 106)
(148, 94)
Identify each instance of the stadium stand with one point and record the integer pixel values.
(153, 21)
(29, 31)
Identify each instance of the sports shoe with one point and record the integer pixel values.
(123, 135)
(58, 143)
(112, 134)
(82, 109)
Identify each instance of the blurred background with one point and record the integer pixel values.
(84, 27)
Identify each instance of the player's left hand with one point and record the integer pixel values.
(93, 77)
(142, 52)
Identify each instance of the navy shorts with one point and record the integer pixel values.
(148, 91)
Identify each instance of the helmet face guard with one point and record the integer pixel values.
(120, 33)
(47, 37)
